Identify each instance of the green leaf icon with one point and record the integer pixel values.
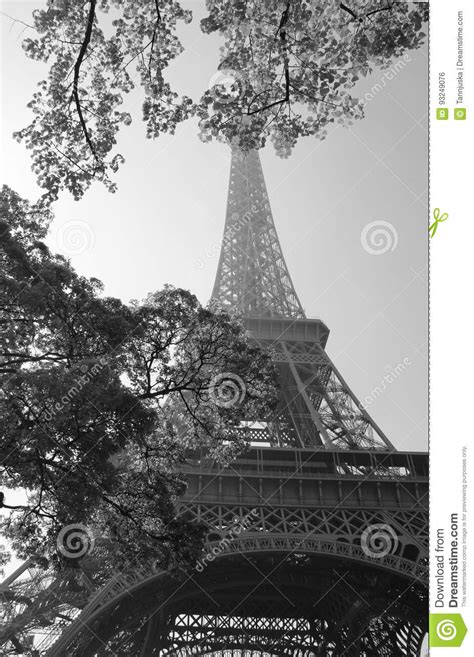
(447, 630)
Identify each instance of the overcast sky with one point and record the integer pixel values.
(165, 223)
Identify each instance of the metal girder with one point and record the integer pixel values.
(317, 406)
(272, 604)
(252, 275)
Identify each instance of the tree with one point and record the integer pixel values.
(286, 70)
(78, 108)
(102, 402)
(288, 66)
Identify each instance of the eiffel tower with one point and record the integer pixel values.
(318, 533)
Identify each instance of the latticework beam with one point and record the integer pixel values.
(252, 275)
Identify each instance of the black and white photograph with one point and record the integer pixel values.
(214, 328)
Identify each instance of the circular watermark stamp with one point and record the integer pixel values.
(75, 237)
(377, 541)
(379, 237)
(227, 86)
(75, 541)
(446, 630)
(227, 390)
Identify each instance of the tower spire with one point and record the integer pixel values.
(252, 274)
(317, 408)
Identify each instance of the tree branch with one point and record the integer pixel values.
(158, 21)
(349, 11)
(376, 11)
(282, 32)
(77, 71)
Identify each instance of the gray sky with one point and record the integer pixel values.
(165, 223)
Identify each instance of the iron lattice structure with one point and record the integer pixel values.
(317, 535)
(317, 406)
(252, 274)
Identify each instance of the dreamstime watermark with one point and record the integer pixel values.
(227, 390)
(392, 375)
(379, 540)
(227, 86)
(240, 525)
(75, 541)
(236, 224)
(446, 630)
(388, 75)
(75, 237)
(379, 237)
(88, 374)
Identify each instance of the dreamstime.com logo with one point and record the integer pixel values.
(227, 86)
(227, 390)
(239, 525)
(386, 78)
(447, 630)
(75, 237)
(377, 541)
(392, 374)
(75, 541)
(237, 223)
(379, 237)
(88, 373)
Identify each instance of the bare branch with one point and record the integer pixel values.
(282, 32)
(77, 71)
(349, 11)
(158, 21)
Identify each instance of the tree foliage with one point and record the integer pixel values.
(290, 66)
(78, 108)
(103, 401)
(287, 69)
